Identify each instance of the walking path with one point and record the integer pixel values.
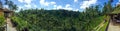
(10, 25)
(113, 26)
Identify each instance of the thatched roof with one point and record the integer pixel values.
(5, 10)
(117, 9)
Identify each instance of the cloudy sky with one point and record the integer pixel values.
(74, 5)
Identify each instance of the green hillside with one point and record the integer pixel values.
(55, 20)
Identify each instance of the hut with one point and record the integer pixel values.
(115, 15)
(5, 12)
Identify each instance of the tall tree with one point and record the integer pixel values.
(104, 10)
(92, 11)
(11, 5)
(107, 8)
(1, 5)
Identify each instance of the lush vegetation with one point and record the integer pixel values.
(57, 20)
(11, 6)
(2, 22)
(60, 20)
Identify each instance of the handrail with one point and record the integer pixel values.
(107, 25)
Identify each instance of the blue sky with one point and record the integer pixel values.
(75, 5)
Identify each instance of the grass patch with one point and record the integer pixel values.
(103, 28)
(95, 22)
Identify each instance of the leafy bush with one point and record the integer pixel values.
(2, 20)
(2, 23)
(19, 23)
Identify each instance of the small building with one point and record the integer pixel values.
(5, 12)
(115, 15)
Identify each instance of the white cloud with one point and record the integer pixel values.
(20, 7)
(25, 1)
(75, 0)
(5, 6)
(76, 9)
(20, 0)
(68, 7)
(54, 6)
(87, 3)
(59, 7)
(30, 6)
(35, 6)
(53, 3)
(27, 6)
(28, 1)
(44, 3)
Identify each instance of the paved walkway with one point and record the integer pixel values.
(113, 26)
(9, 25)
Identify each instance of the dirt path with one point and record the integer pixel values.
(9, 25)
(113, 26)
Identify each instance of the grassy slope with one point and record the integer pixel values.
(97, 21)
(103, 28)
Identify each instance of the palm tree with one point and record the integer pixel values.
(1, 6)
(11, 5)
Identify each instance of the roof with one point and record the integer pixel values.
(116, 11)
(5, 10)
(1, 9)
